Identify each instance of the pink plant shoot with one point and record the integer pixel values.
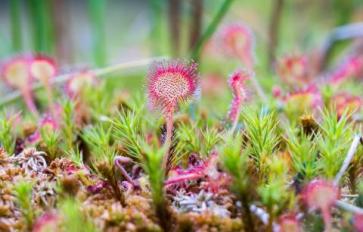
(289, 223)
(47, 222)
(358, 222)
(292, 69)
(78, 82)
(238, 41)
(350, 68)
(48, 124)
(346, 103)
(238, 86)
(170, 83)
(16, 74)
(44, 68)
(322, 195)
(304, 99)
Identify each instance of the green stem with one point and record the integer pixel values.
(273, 30)
(212, 27)
(156, 19)
(42, 25)
(97, 14)
(15, 19)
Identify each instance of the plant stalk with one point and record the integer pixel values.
(212, 27)
(348, 158)
(15, 19)
(273, 30)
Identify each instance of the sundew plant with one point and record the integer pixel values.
(181, 116)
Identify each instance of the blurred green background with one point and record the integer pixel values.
(99, 33)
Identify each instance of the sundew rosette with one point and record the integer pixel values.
(292, 69)
(43, 69)
(304, 100)
(80, 81)
(322, 195)
(346, 103)
(237, 40)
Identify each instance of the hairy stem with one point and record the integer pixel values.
(169, 115)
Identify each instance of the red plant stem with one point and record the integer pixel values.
(119, 161)
(235, 109)
(183, 178)
(48, 90)
(327, 218)
(169, 115)
(28, 98)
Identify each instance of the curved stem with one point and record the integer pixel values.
(182, 178)
(28, 99)
(49, 93)
(122, 160)
(169, 115)
(327, 219)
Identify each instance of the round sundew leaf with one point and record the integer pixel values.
(42, 68)
(320, 194)
(171, 86)
(289, 223)
(79, 81)
(292, 69)
(16, 73)
(171, 82)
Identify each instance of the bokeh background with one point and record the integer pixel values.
(100, 33)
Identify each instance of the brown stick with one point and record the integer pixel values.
(196, 22)
(61, 18)
(174, 26)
